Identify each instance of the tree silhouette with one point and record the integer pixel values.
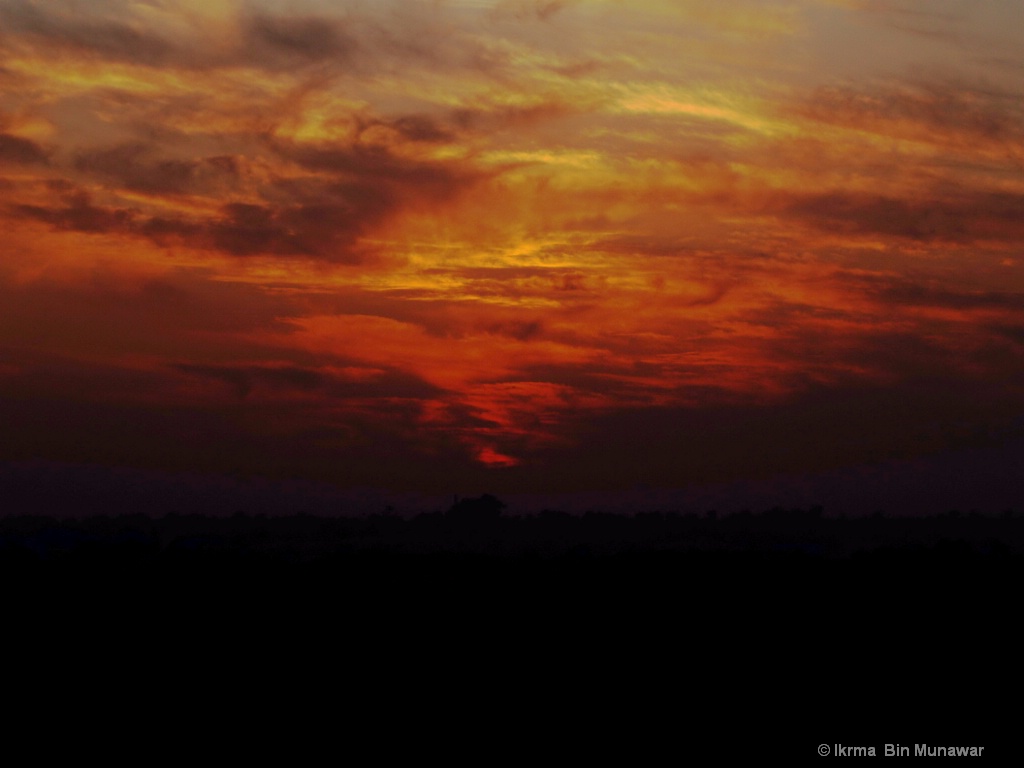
(481, 509)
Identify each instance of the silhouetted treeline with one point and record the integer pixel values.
(478, 527)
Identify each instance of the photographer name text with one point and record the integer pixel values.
(899, 750)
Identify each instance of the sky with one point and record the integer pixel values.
(641, 252)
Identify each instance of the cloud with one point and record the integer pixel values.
(321, 231)
(91, 34)
(345, 192)
(118, 32)
(965, 218)
(902, 291)
(432, 234)
(80, 215)
(950, 113)
(14, 149)
(191, 38)
(529, 10)
(415, 128)
(113, 314)
(352, 383)
(287, 41)
(929, 23)
(135, 166)
(378, 166)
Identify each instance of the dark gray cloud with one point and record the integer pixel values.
(100, 31)
(184, 313)
(284, 41)
(964, 218)
(377, 167)
(327, 230)
(421, 128)
(80, 215)
(502, 117)
(1013, 332)
(14, 149)
(246, 379)
(88, 34)
(902, 291)
(823, 428)
(295, 420)
(950, 111)
(271, 39)
(352, 189)
(520, 330)
(932, 24)
(128, 166)
(321, 231)
(139, 167)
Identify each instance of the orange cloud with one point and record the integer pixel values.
(463, 235)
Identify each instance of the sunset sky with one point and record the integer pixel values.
(581, 249)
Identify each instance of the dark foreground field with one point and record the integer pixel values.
(628, 636)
